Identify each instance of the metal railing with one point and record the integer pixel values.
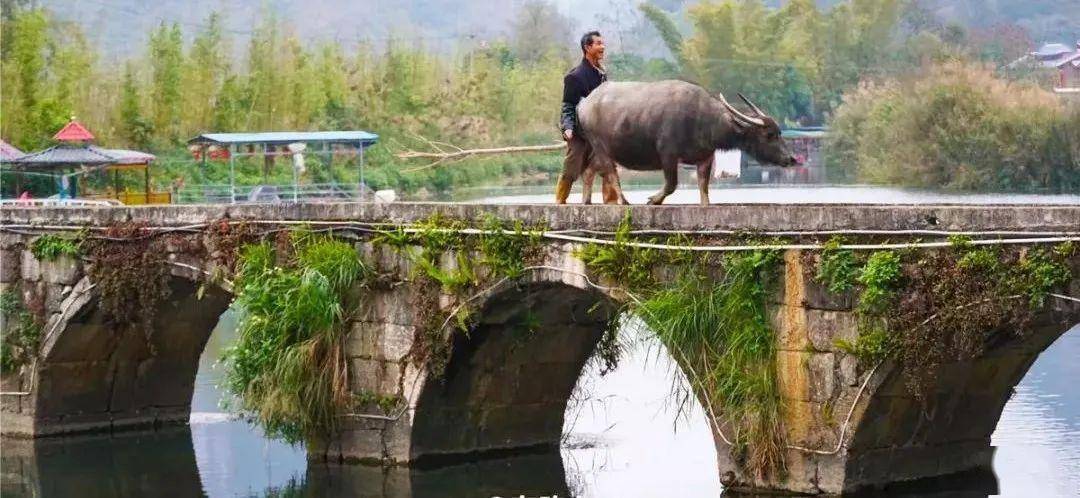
(269, 194)
(46, 202)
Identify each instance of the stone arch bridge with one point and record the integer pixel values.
(500, 394)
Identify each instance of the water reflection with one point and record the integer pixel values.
(622, 441)
(159, 463)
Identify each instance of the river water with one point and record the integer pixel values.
(622, 436)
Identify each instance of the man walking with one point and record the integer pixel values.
(578, 84)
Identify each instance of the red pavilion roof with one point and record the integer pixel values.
(73, 132)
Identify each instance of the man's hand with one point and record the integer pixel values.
(568, 134)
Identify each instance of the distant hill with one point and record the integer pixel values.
(120, 27)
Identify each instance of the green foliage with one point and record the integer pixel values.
(719, 331)
(838, 269)
(386, 402)
(880, 278)
(20, 335)
(958, 127)
(506, 254)
(1039, 272)
(287, 370)
(951, 304)
(960, 242)
(135, 128)
(167, 57)
(505, 250)
(985, 259)
(49, 247)
(665, 25)
(871, 346)
(131, 275)
(620, 262)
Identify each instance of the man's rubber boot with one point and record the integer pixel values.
(562, 191)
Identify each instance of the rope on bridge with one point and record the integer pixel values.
(565, 235)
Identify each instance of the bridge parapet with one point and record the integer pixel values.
(846, 422)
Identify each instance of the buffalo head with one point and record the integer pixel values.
(760, 135)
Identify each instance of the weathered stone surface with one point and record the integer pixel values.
(825, 328)
(822, 368)
(849, 370)
(389, 306)
(789, 324)
(793, 375)
(64, 270)
(30, 267)
(9, 266)
(375, 376)
(54, 296)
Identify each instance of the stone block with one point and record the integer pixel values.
(822, 367)
(826, 327)
(10, 240)
(363, 340)
(807, 425)
(380, 341)
(9, 266)
(54, 297)
(389, 306)
(362, 445)
(30, 268)
(849, 371)
(396, 342)
(380, 377)
(789, 323)
(793, 381)
(63, 270)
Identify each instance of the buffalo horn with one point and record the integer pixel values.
(739, 115)
(751, 104)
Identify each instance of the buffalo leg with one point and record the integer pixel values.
(612, 187)
(704, 174)
(671, 180)
(586, 185)
(609, 177)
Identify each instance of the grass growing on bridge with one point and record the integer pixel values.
(288, 369)
(49, 247)
(21, 333)
(924, 309)
(501, 250)
(716, 327)
(719, 332)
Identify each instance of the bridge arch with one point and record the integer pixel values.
(896, 437)
(93, 375)
(508, 381)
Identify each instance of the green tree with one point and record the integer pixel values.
(206, 68)
(230, 111)
(24, 86)
(133, 125)
(167, 61)
(667, 29)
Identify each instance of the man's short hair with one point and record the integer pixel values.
(588, 39)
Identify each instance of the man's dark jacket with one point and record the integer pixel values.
(578, 84)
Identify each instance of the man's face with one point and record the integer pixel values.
(595, 51)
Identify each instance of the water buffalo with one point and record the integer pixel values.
(658, 125)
